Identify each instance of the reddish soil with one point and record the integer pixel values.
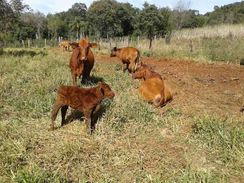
(214, 89)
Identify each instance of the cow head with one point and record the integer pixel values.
(140, 72)
(85, 46)
(113, 52)
(105, 90)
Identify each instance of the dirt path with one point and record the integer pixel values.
(202, 88)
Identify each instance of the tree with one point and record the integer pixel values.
(7, 16)
(181, 13)
(18, 7)
(193, 19)
(78, 10)
(76, 26)
(108, 18)
(56, 26)
(36, 20)
(103, 20)
(126, 15)
(152, 22)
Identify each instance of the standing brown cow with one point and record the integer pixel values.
(82, 60)
(129, 56)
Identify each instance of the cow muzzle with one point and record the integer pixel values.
(83, 58)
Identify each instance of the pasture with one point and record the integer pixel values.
(198, 137)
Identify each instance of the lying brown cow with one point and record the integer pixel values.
(86, 100)
(129, 56)
(154, 89)
(82, 60)
(65, 45)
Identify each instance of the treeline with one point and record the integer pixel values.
(107, 19)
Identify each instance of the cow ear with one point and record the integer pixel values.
(93, 45)
(101, 90)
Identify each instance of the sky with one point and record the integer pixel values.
(54, 6)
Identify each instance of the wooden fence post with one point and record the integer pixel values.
(28, 42)
(191, 46)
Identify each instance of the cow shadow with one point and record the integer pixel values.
(78, 115)
(91, 80)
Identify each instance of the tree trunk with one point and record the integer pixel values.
(150, 43)
(39, 32)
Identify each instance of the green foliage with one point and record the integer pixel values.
(231, 14)
(56, 26)
(151, 21)
(193, 20)
(108, 18)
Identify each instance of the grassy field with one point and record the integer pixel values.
(133, 141)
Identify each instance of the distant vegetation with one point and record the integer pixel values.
(107, 19)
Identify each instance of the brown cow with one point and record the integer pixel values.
(154, 89)
(129, 56)
(145, 72)
(82, 60)
(65, 45)
(86, 100)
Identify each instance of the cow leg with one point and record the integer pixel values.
(54, 113)
(94, 116)
(87, 115)
(63, 114)
(74, 78)
(125, 67)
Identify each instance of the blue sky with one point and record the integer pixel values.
(54, 6)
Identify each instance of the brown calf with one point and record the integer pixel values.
(129, 56)
(86, 100)
(82, 60)
(144, 72)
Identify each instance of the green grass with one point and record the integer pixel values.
(133, 142)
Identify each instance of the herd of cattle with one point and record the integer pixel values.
(153, 89)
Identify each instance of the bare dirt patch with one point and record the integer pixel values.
(213, 89)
